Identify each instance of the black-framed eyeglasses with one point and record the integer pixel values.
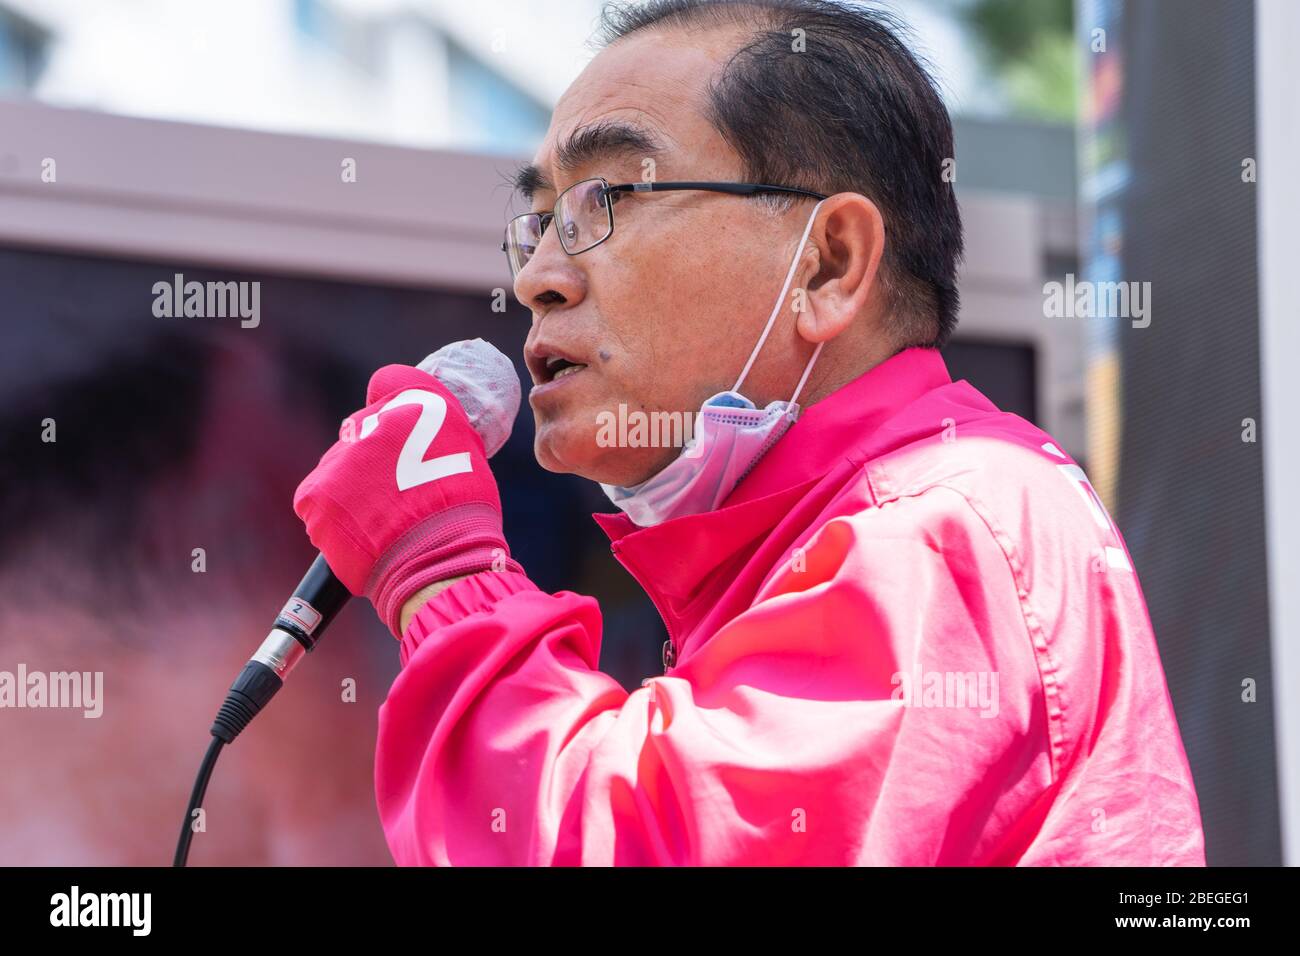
(585, 213)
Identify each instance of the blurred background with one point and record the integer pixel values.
(154, 540)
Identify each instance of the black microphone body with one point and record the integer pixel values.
(299, 625)
(316, 599)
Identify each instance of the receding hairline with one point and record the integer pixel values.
(753, 14)
(629, 136)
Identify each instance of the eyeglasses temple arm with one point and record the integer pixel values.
(737, 189)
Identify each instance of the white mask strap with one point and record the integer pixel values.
(776, 309)
(806, 369)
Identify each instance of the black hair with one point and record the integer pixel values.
(852, 111)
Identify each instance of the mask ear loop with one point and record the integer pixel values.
(807, 369)
(776, 310)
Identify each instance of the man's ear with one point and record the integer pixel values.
(847, 243)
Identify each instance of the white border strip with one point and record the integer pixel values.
(1277, 78)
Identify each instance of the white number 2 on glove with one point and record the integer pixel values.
(412, 469)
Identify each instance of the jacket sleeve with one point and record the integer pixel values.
(879, 703)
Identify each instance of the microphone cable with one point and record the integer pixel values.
(298, 627)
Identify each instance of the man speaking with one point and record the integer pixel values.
(903, 629)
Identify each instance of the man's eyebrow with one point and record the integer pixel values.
(585, 145)
(528, 180)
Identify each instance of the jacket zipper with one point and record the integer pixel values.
(670, 645)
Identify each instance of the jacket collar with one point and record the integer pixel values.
(683, 550)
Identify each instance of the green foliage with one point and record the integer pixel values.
(1029, 47)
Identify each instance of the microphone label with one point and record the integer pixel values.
(302, 614)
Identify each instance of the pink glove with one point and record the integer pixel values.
(405, 498)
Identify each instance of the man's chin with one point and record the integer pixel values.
(558, 453)
(562, 447)
(579, 455)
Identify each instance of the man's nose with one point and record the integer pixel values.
(550, 278)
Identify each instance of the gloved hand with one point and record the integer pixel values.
(405, 498)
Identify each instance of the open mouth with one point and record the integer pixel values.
(558, 368)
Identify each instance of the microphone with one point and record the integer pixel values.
(486, 384)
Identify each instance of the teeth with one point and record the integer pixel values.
(566, 370)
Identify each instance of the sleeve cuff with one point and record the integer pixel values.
(478, 592)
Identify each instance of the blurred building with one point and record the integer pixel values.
(1171, 195)
(413, 72)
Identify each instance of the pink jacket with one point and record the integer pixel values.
(912, 635)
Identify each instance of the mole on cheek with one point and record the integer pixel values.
(604, 356)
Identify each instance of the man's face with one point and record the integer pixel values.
(665, 312)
